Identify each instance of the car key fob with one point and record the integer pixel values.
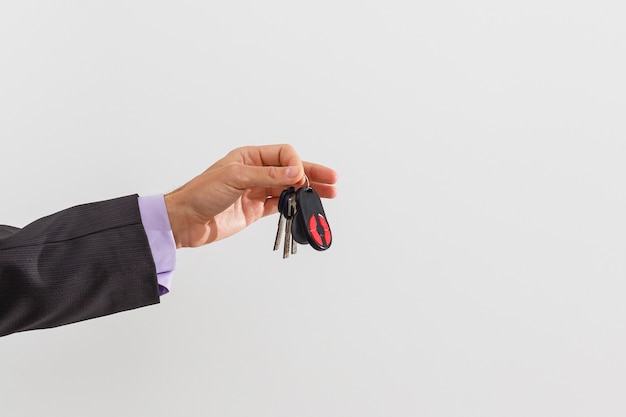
(310, 224)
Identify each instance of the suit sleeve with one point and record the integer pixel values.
(83, 262)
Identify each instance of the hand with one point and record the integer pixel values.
(238, 190)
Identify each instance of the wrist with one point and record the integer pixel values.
(175, 215)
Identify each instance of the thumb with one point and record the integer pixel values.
(272, 176)
(292, 173)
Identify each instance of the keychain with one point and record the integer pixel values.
(303, 219)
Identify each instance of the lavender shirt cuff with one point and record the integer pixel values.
(160, 237)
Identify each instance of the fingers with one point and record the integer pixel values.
(320, 177)
(280, 155)
(242, 176)
(320, 174)
(267, 155)
(275, 167)
(325, 190)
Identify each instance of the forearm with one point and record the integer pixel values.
(87, 261)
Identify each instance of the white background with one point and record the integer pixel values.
(479, 256)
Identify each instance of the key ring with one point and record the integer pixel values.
(302, 220)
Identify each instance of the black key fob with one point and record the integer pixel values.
(283, 201)
(310, 224)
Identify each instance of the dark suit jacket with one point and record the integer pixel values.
(83, 262)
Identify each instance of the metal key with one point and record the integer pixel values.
(294, 210)
(279, 232)
(291, 211)
(283, 208)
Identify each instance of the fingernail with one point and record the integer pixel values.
(291, 172)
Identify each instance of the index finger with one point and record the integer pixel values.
(322, 178)
(320, 173)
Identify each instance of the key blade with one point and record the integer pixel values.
(286, 247)
(279, 232)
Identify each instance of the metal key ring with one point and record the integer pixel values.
(308, 183)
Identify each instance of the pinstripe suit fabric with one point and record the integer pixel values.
(80, 263)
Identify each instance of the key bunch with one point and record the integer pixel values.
(302, 221)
